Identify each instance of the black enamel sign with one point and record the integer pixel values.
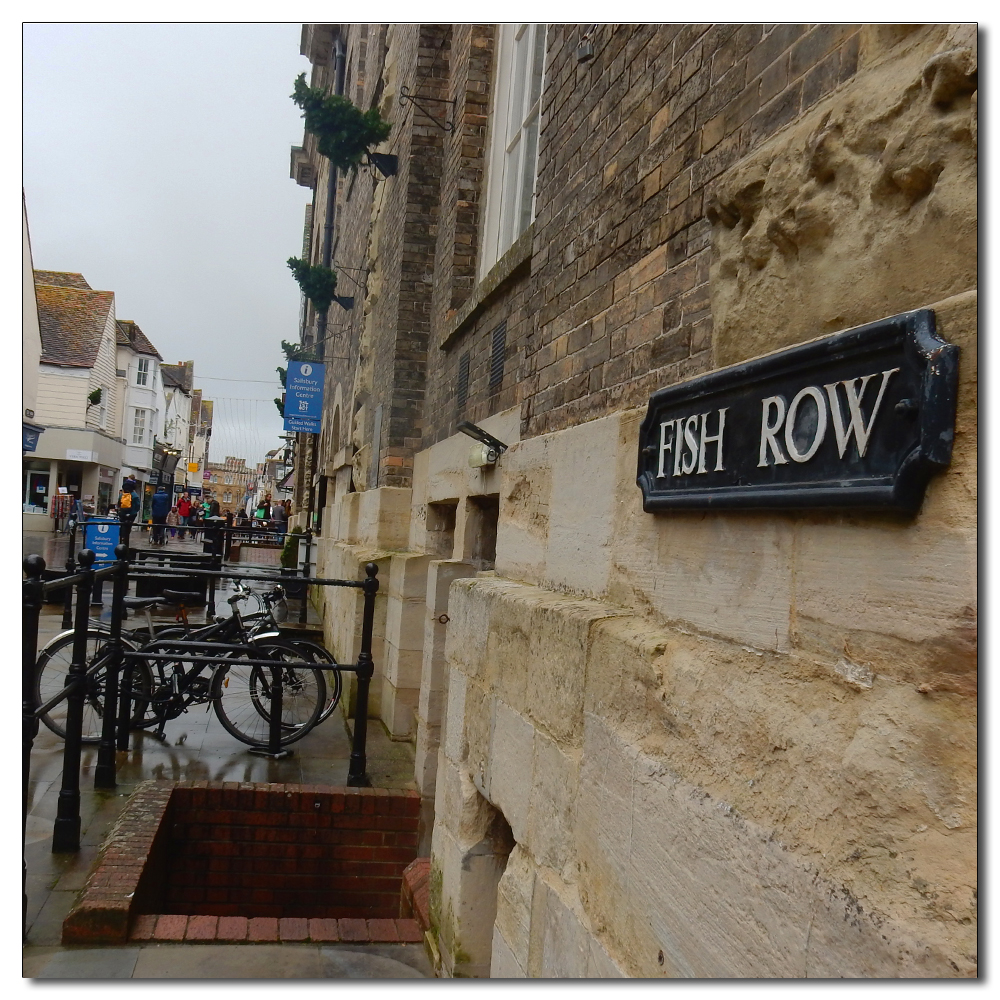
(859, 419)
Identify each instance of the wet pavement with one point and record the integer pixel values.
(196, 748)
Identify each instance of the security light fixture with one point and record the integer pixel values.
(490, 448)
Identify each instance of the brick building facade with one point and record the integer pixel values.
(671, 744)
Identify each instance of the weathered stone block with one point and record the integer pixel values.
(509, 777)
(551, 807)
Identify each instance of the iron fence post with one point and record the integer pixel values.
(67, 618)
(212, 532)
(66, 831)
(104, 773)
(303, 609)
(277, 707)
(126, 673)
(357, 773)
(31, 607)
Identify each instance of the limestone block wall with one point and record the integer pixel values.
(441, 574)
(361, 528)
(724, 744)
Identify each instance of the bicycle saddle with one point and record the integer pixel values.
(142, 602)
(183, 596)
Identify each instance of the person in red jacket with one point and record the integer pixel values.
(184, 512)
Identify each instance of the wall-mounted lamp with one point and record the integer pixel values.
(489, 448)
(385, 163)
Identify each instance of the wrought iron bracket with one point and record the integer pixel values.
(477, 433)
(415, 100)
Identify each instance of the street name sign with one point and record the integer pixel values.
(304, 396)
(863, 418)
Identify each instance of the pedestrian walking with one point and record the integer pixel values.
(159, 510)
(279, 517)
(128, 506)
(173, 519)
(184, 513)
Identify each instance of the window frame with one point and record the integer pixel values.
(142, 372)
(139, 414)
(515, 125)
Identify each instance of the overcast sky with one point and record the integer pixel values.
(156, 163)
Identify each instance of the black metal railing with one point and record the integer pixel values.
(117, 663)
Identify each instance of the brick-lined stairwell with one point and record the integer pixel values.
(289, 851)
(239, 861)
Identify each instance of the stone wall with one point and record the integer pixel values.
(737, 745)
(751, 730)
(710, 744)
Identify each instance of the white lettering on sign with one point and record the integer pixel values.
(686, 441)
(778, 417)
(819, 432)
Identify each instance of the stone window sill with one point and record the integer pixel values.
(518, 254)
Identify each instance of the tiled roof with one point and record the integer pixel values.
(71, 321)
(180, 375)
(66, 279)
(137, 340)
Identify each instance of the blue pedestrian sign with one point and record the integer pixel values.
(304, 396)
(100, 535)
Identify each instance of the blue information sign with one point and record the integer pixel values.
(304, 396)
(100, 535)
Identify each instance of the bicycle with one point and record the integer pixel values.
(162, 688)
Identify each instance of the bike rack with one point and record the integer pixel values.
(116, 724)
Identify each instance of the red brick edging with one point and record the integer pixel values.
(102, 913)
(259, 930)
(416, 894)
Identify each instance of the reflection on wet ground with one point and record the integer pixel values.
(195, 748)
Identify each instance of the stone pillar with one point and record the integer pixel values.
(430, 705)
(406, 593)
(469, 855)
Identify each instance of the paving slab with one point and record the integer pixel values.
(82, 963)
(230, 961)
(372, 963)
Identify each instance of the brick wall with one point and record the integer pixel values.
(610, 299)
(301, 851)
(615, 301)
(239, 861)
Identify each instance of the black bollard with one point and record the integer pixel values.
(357, 772)
(66, 831)
(104, 773)
(31, 607)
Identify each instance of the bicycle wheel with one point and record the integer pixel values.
(52, 674)
(242, 696)
(331, 672)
